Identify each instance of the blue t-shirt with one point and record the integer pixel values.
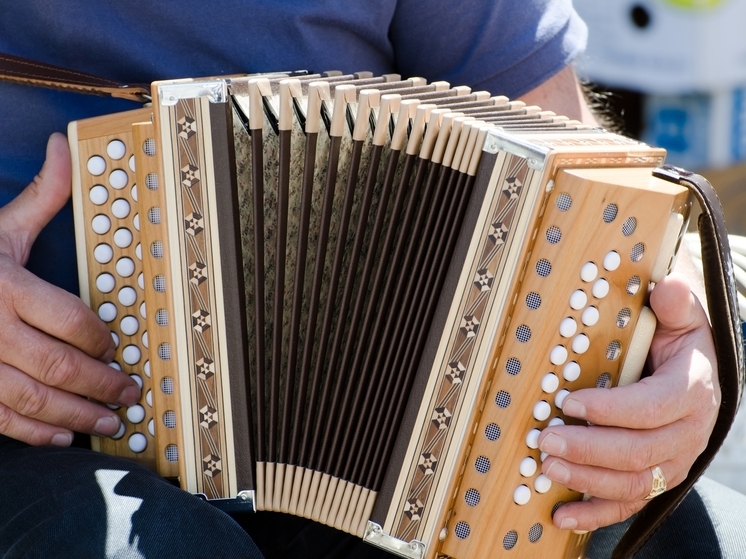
(503, 46)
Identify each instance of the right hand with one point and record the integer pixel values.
(54, 350)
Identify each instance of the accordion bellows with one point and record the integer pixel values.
(359, 299)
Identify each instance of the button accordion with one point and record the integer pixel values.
(360, 299)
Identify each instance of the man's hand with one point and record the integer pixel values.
(664, 420)
(53, 349)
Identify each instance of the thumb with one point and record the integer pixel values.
(678, 310)
(26, 215)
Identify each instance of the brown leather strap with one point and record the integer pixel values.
(21, 70)
(720, 288)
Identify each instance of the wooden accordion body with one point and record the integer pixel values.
(360, 299)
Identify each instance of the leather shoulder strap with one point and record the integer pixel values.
(21, 70)
(720, 288)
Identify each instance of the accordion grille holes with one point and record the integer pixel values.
(159, 284)
(492, 432)
(613, 350)
(629, 226)
(523, 333)
(543, 268)
(533, 301)
(557, 506)
(482, 464)
(172, 453)
(564, 201)
(462, 530)
(610, 213)
(161, 317)
(156, 249)
(167, 385)
(513, 366)
(148, 147)
(169, 419)
(633, 285)
(151, 181)
(535, 533)
(554, 235)
(472, 497)
(154, 216)
(623, 318)
(502, 399)
(604, 381)
(638, 251)
(510, 539)
(164, 351)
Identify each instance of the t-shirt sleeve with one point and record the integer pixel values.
(502, 46)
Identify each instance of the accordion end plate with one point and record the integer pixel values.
(375, 535)
(215, 90)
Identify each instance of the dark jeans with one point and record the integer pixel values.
(72, 503)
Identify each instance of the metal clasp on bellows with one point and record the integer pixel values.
(375, 535)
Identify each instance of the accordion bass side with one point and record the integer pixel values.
(359, 299)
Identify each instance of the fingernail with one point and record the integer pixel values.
(107, 426)
(558, 472)
(129, 396)
(568, 523)
(62, 439)
(573, 408)
(554, 445)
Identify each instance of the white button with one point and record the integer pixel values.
(131, 354)
(118, 179)
(571, 371)
(588, 272)
(129, 325)
(101, 224)
(115, 337)
(116, 149)
(138, 251)
(123, 237)
(105, 283)
(580, 344)
(521, 495)
(527, 467)
(125, 267)
(127, 296)
(120, 208)
(132, 163)
(612, 261)
(107, 312)
(559, 399)
(136, 413)
(137, 443)
(96, 165)
(136, 222)
(558, 355)
(590, 316)
(600, 289)
(137, 379)
(117, 367)
(145, 339)
(133, 192)
(549, 383)
(543, 456)
(151, 428)
(556, 421)
(142, 310)
(542, 483)
(542, 409)
(99, 195)
(146, 369)
(532, 439)
(141, 281)
(568, 327)
(103, 253)
(578, 299)
(120, 433)
(149, 398)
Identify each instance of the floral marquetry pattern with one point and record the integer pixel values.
(464, 337)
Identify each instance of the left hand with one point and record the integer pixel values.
(663, 420)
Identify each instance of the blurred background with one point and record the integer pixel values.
(673, 74)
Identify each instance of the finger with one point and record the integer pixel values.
(55, 363)
(24, 217)
(606, 483)
(594, 513)
(675, 307)
(619, 449)
(56, 312)
(31, 431)
(65, 412)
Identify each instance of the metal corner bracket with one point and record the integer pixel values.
(498, 139)
(375, 535)
(171, 93)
